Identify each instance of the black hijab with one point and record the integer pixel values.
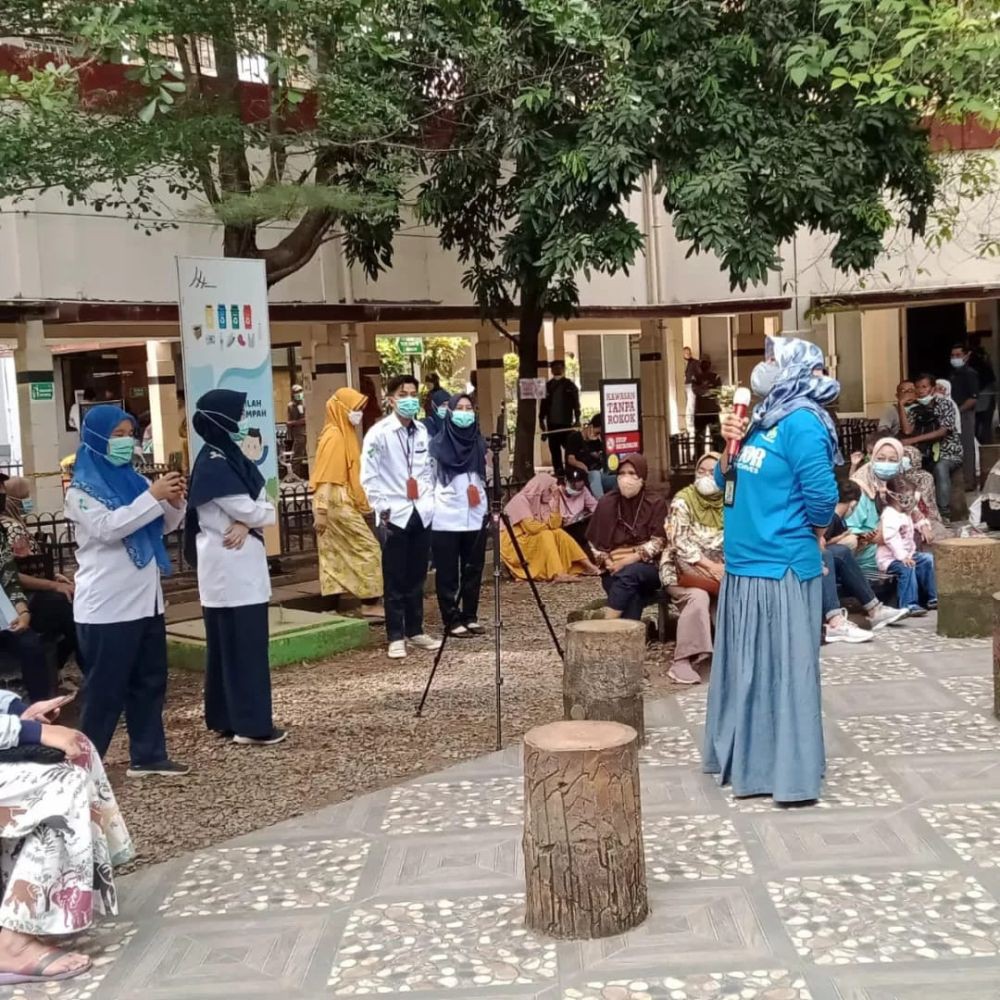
(458, 449)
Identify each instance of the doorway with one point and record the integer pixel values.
(930, 333)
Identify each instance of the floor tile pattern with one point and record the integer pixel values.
(887, 890)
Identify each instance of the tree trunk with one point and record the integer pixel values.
(532, 316)
(602, 674)
(584, 863)
(968, 574)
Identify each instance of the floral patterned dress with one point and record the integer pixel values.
(61, 836)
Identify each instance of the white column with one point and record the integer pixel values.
(164, 412)
(40, 414)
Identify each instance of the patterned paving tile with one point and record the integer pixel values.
(837, 670)
(886, 697)
(810, 841)
(105, 944)
(670, 747)
(971, 829)
(693, 847)
(850, 784)
(694, 706)
(437, 806)
(773, 984)
(318, 873)
(946, 775)
(445, 944)
(975, 689)
(909, 641)
(970, 984)
(922, 732)
(898, 916)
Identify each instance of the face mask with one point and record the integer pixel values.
(120, 450)
(408, 407)
(885, 470)
(463, 418)
(763, 377)
(706, 486)
(906, 464)
(926, 400)
(297, 397)
(629, 486)
(27, 506)
(442, 412)
(570, 492)
(355, 417)
(241, 431)
(904, 501)
(958, 362)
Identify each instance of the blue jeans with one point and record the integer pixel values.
(844, 573)
(942, 470)
(600, 483)
(916, 585)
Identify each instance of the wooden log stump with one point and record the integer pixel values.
(989, 455)
(602, 672)
(968, 574)
(584, 864)
(996, 655)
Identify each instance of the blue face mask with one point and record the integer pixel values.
(885, 470)
(442, 412)
(906, 464)
(958, 362)
(121, 450)
(463, 418)
(27, 506)
(241, 431)
(570, 492)
(408, 407)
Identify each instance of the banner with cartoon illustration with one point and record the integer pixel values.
(226, 342)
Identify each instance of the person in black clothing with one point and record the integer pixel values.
(692, 376)
(964, 390)
(560, 411)
(585, 453)
(979, 362)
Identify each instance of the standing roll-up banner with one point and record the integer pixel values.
(226, 344)
(622, 409)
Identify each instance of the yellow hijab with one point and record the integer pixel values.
(338, 455)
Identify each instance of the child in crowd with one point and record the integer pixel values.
(897, 551)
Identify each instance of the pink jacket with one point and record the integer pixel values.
(899, 538)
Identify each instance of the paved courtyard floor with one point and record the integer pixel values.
(888, 890)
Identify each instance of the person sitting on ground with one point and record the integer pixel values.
(841, 573)
(933, 426)
(627, 537)
(692, 568)
(551, 554)
(897, 551)
(585, 452)
(49, 601)
(350, 559)
(63, 836)
(576, 504)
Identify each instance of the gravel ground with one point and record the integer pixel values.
(352, 728)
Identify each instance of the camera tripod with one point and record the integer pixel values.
(493, 523)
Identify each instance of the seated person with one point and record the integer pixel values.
(585, 451)
(927, 517)
(626, 536)
(841, 573)
(897, 551)
(49, 601)
(872, 477)
(63, 835)
(576, 504)
(691, 568)
(551, 554)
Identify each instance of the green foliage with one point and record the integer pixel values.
(441, 355)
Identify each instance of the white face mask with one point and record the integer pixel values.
(355, 417)
(707, 486)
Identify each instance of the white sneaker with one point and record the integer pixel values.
(885, 615)
(424, 641)
(397, 650)
(847, 631)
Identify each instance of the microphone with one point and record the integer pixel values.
(741, 403)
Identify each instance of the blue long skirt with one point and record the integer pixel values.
(764, 730)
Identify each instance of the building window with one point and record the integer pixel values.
(604, 355)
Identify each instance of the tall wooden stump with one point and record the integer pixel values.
(996, 655)
(968, 574)
(584, 863)
(602, 672)
(989, 455)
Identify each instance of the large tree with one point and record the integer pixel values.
(520, 129)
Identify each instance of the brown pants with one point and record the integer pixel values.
(694, 627)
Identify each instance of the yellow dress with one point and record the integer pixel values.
(350, 560)
(548, 550)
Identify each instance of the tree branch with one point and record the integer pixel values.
(513, 338)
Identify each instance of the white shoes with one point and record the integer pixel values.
(397, 648)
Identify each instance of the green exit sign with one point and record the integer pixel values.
(43, 391)
(410, 345)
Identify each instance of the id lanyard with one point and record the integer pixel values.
(412, 491)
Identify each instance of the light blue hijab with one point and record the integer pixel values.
(797, 388)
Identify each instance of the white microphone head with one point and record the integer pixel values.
(741, 397)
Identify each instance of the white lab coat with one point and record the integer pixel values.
(233, 578)
(452, 511)
(110, 588)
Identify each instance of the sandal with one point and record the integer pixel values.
(37, 974)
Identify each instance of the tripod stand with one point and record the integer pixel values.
(493, 523)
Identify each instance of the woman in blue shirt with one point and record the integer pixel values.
(764, 732)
